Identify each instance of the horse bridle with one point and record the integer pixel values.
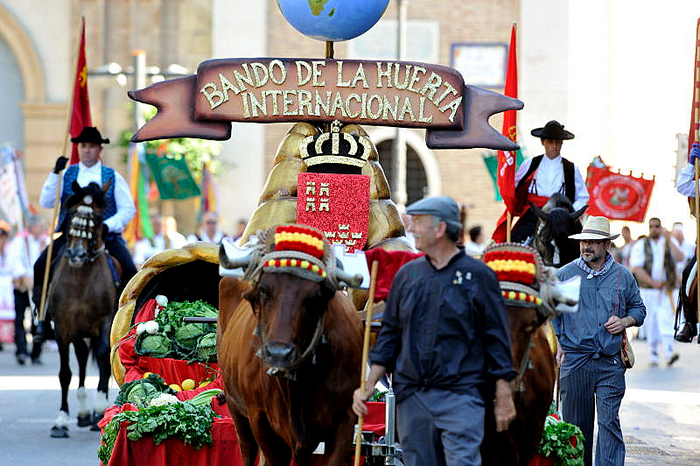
(83, 225)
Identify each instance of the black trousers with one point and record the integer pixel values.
(524, 227)
(21, 305)
(114, 243)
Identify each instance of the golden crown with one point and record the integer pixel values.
(336, 148)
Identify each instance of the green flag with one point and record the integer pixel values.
(491, 162)
(173, 177)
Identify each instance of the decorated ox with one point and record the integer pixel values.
(556, 220)
(531, 292)
(289, 348)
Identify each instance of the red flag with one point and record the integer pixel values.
(506, 160)
(616, 196)
(80, 116)
(695, 109)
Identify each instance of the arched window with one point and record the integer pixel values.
(11, 95)
(416, 179)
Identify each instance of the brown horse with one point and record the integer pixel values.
(82, 301)
(289, 350)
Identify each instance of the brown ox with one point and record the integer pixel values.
(532, 391)
(309, 400)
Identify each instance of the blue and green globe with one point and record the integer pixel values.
(332, 20)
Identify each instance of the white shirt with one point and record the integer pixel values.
(216, 239)
(86, 175)
(20, 262)
(685, 184)
(637, 258)
(473, 249)
(144, 249)
(549, 179)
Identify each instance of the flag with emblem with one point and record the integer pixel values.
(507, 159)
(617, 196)
(80, 115)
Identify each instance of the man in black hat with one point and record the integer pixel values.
(445, 338)
(119, 208)
(539, 178)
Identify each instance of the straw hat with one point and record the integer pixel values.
(595, 228)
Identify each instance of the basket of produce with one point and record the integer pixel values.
(151, 335)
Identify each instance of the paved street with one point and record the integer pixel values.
(660, 412)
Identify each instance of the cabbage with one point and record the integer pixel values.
(206, 348)
(156, 345)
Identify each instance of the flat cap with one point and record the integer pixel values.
(443, 207)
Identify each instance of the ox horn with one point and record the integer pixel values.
(353, 281)
(563, 296)
(576, 215)
(539, 212)
(241, 259)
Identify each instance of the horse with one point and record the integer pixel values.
(533, 359)
(556, 220)
(289, 351)
(82, 301)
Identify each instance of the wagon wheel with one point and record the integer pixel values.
(157, 264)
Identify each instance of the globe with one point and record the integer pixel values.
(332, 20)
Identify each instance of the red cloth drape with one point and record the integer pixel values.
(389, 262)
(223, 451)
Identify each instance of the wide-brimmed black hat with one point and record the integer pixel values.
(90, 134)
(552, 130)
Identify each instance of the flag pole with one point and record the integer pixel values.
(57, 198)
(365, 354)
(695, 121)
(509, 220)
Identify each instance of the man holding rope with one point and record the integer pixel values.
(445, 339)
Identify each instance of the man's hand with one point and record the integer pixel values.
(359, 398)
(694, 153)
(503, 407)
(559, 358)
(60, 164)
(615, 325)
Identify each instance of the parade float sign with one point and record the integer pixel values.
(268, 90)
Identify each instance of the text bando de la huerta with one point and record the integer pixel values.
(246, 81)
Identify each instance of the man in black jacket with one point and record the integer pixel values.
(445, 339)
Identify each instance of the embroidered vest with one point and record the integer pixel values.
(71, 175)
(669, 265)
(569, 180)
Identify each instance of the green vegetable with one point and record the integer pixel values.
(204, 398)
(185, 421)
(206, 348)
(176, 338)
(140, 392)
(561, 440)
(156, 345)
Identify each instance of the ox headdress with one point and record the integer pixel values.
(300, 250)
(525, 281)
